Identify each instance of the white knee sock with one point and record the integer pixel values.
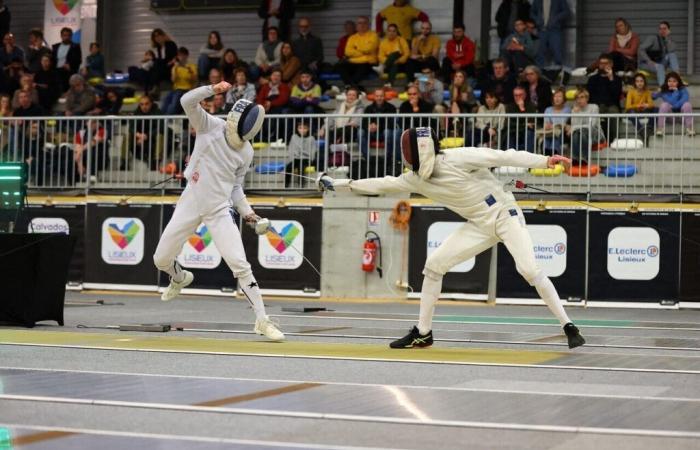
(429, 295)
(175, 272)
(251, 291)
(549, 294)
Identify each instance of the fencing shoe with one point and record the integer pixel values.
(414, 339)
(266, 327)
(174, 287)
(573, 336)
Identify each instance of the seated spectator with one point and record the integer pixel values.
(217, 105)
(534, 35)
(461, 101)
(308, 47)
(306, 95)
(415, 105)
(623, 47)
(67, 57)
(381, 129)
(9, 50)
(144, 133)
(488, 125)
(32, 143)
(518, 48)
(80, 97)
(658, 53)
(230, 64)
(166, 56)
(674, 98)
(94, 63)
(431, 89)
(184, 78)
(507, 13)
(393, 53)
(274, 96)
(605, 90)
(5, 106)
(556, 117)
(349, 29)
(585, 128)
(142, 74)
(268, 55)
(302, 153)
(539, 90)
(460, 54)
(521, 130)
(210, 54)
(639, 101)
(92, 139)
(344, 129)
(425, 50)
(549, 30)
(36, 50)
(241, 89)
(25, 107)
(278, 13)
(215, 76)
(501, 82)
(108, 103)
(290, 65)
(361, 52)
(12, 75)
(19, 128)
(403, 15)
(26, 84)
(5, 128)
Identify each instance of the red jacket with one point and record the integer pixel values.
(340, 49)
(461, 53)
(281, 100)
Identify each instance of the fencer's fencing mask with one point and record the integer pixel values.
(243, 122)
(418, 148)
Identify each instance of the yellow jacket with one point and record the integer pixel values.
(387, 47)
(362, 48)
(184, 77)
(403, 17)
(635, 99)
(426, 47)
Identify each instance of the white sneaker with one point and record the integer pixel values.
(266, 327)
(174, 287)
(690, 132)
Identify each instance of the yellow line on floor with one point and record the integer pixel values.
(265, 348)
(33, 438)
(259, 394)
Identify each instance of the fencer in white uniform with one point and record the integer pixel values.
(221, 157)
(461, 180)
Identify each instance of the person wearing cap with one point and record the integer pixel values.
(215, 173)
(461, 180)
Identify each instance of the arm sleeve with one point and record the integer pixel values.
(260, 57)
(199, 119)
(238, 198)
(405, 52)
(479, 157)
(629, 104)
(376, 186)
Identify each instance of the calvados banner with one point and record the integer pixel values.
(59, 14)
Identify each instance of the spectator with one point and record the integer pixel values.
(488, 125)
(107, 103)
(278, 14)
(623, 47)
(241, 89)
(12, 76)
(184, 78)
(210, 54)
(460, 54)
(32, 150)
(27, 85)
(5, 106)
(36, 50)
(47, 83)
(556, 117)
(674, 98)
(518, 48)
(80, 97)
(431, 90)
(166, 56)
(290, 65)
(21, 127)
(461, 94)
(306, 95)
(5, 18)
(501, 82)
(92, 139)
(344, 129)
(425, 49)
(584, 130)
(94, 63)
(274, 96)
(657, 53)
(415, 105)
(145, 133)
(308, 47)
(350, 29)
(9, 50)
(215, 76)
(393, 53)
(403, 15)
(231, 64)
(539, 90)
(218, 105)
(605, 90)
(508, 12)
(302, 153)
(381, 129)
(25, 107)
(67, 57)
(639, 101)
(268, 55)
(521, 130)
(550, 25)
(5, 111)
(143, 73)
(361, 52)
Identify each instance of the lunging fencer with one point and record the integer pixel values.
(460, 179)
(215, 174)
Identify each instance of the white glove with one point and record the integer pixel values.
(324, 182)
(258, 224)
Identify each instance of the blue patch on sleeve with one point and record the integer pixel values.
(513, 212)
(490, 200)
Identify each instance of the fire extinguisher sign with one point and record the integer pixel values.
(373, 218)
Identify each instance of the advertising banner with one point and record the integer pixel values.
(59, 14)
(633, 257)
(690, 258)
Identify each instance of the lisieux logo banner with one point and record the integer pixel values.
(199, 252)
(122, 241)
(59, 14)
(282, 247)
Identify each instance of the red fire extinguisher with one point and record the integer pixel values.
(372, 247)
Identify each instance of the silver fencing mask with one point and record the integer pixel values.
(418, 148)
(243, 122)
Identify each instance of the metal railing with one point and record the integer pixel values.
(135, 152)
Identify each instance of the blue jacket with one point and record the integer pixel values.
(558, 13)
(675, 98)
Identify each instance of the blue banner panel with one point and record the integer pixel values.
(633, 257)
(429, 227)
(690, 258)
(558, 239)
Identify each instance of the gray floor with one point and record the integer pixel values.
(637, 385)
